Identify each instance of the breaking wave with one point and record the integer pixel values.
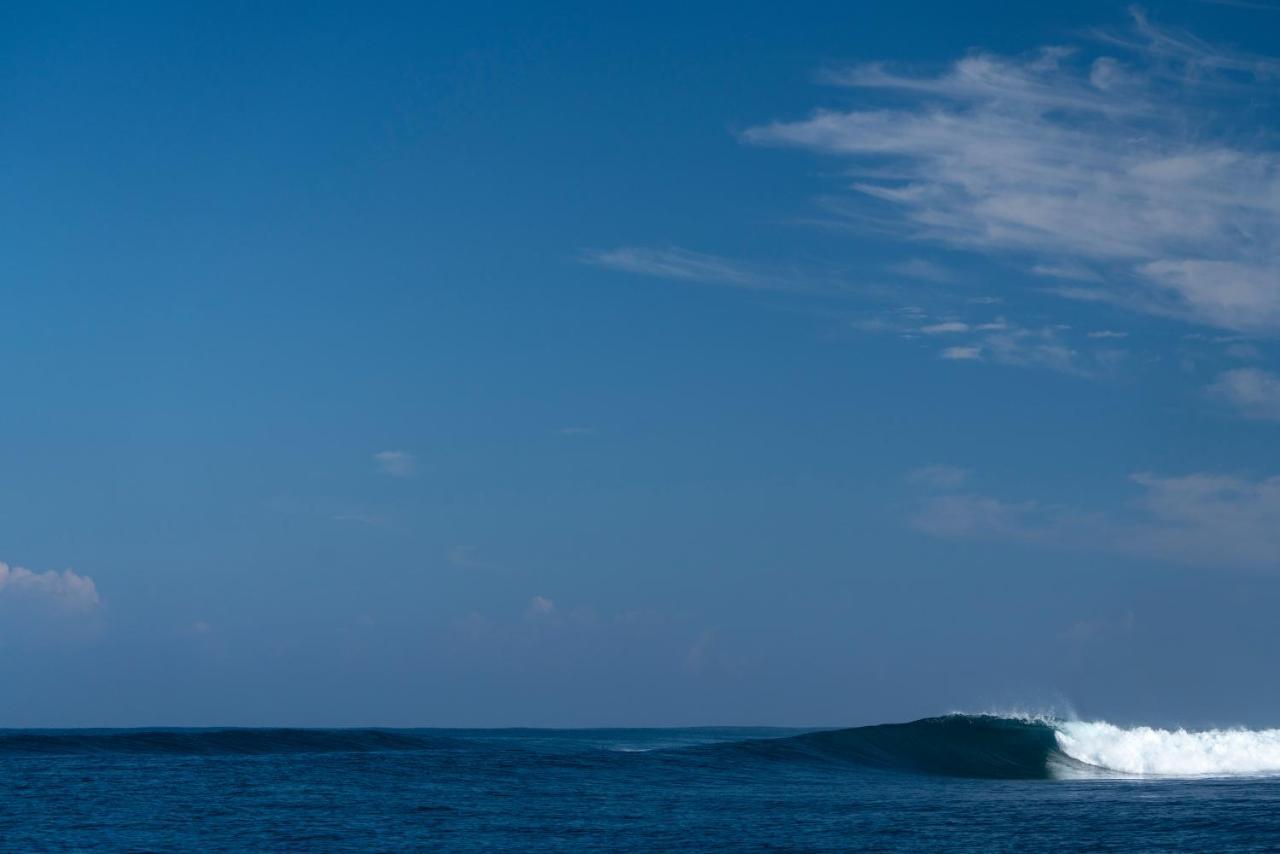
(998, 747)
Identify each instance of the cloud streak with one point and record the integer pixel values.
(676, 263)
(679, 264)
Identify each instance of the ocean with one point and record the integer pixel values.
(960, 782)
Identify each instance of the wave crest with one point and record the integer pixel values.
(1025, 746)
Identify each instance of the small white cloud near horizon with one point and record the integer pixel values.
(395, 463)
(66, 589)
(962, 353)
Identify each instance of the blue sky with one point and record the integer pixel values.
(738, 363)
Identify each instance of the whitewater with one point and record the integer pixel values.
(1147, 751)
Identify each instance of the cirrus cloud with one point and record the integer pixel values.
(1141, 167)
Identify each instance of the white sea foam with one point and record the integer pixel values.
(1171, 753)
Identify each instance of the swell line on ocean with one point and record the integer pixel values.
(987, 746)
(1016, 747)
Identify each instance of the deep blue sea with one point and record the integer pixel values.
(980, 783)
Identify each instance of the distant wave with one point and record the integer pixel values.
(999, 747)
(214, 741)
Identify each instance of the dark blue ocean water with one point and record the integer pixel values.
(954, 784)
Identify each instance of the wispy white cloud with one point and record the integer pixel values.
(1004, 343)
(541, 606)
(1001, 340)
(675, 263)
(1199, 519)
(1066, 271)
(939, 477)
(1255, 393)
(919, 268)
(981, 516)
(1209, 519)
(1187, 56)
(468, 557)
(65, 589)
(1041, 348)
(395, 463)
(1141, 172)
(991, 339)
(1243, 351)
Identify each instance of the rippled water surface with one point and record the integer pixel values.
(873, 788)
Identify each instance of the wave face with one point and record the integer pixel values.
(980, 746)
